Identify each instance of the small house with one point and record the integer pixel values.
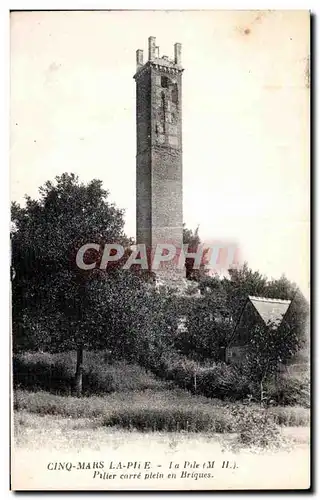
(256, 310)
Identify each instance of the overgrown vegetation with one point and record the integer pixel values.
(54, 372)
(163, 410)
(58, 307)
(126, 338)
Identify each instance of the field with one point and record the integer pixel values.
(150, 410)
(45, 436)
(128, 398)
(53, 432)
(135, 415)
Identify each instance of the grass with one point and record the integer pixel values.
(291, 416)
(53, 432)
(54, 373)
(126, 397)
(165, 410)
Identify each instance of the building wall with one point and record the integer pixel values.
(237, 347)
(248, 321)
(166, 189)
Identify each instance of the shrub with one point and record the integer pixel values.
(171, 419)
(215, 380)
(44, 371)
(261, 427)
(180, 369)
(223, 381)
(228, 382)
(54, 373)
(290, 416)
(257, 428)
(291, 390)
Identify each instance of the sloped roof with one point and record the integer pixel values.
(270, 310)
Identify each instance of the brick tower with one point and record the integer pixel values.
(159, 150)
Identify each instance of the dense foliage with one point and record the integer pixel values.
(59, 307)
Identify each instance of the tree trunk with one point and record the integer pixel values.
(78, 375)
(261, 391)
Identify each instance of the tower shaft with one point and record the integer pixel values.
(159, 148)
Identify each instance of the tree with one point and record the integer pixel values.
(269, 347)
(192, 239)
(210, 321)
(299, 311)
(55, 304)
(281, 288)
(242, 283)
(157, 327)
(208, 326)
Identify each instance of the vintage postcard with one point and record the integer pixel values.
(160, 220)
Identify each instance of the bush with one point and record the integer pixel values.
(215, 380)
(43, 371)
(291, 390)
(173, 419)
(228, 382)
(257, 428)
(180, 369)
(54, 373)
(290, 416)
(223, 381)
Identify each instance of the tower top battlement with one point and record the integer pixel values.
(154, 56)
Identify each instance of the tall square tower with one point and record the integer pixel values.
(159, 147)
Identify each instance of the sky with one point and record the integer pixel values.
(245, 109)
